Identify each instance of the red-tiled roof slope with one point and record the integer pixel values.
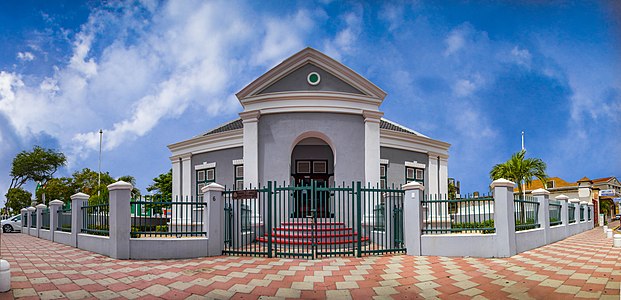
(558, 183)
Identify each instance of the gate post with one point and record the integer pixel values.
(54, 206)
(31, 223)
(504, 217)
(25, 218)
(542, 197)
(120, 219)
(215, 218)
(39, 212)
(77, 201)
(412, 217)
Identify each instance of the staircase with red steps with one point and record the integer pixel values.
(327, 234)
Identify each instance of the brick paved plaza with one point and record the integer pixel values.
(582, 266)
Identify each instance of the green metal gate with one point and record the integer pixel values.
(313, 220)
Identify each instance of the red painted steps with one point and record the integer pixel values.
(304, 233)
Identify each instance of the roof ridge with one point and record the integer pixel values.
(403, 127)
(221, 126)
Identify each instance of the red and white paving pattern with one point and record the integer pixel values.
(582, 266)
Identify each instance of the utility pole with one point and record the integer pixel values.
(99, 171)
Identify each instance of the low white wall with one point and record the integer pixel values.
(557, 233)
(94, 243)
(573, 228)
(166, 248)
(529, 239)
(45, 234)
(64, 238)
(32, 231)
(477, 245)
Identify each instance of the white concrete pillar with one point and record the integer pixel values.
(120, 219)
(372, 147)
(504, 217)
(609, 233)
(413, 217)
(176, 178)
(54, 206)
(186, 178)
(40, 208)
(443, 172)
(251, 147)
(615, 243)
(32, 222)
(25, 220)
(214, 218)
(543, 215)
(432, 175)
(77, 219)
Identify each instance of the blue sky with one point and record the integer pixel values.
(474, 74)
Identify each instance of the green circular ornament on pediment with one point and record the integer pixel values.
(313, 78)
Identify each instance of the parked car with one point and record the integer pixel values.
(11, 224)
(617, 217)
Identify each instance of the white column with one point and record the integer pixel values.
(432, 174)
(504, 217)
(372, 147)
(543, 214)
(176, 178)
(251, 147)
(412, 217)
(443, 170)
(186, 178)
(564, 216)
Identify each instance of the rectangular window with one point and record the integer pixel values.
(383, 176)
(203, 178)
(414, 174)
(303, 167)
(550, 184)
(239, 177)
(320, 167)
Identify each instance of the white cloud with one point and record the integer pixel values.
(454, 41)
(521, 56)
(465, 87)
(25, 56)
(130, 69)
(345, 40)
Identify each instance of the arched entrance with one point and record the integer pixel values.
(312, 165)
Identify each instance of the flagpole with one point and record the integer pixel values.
(523, 181)
(99, 171)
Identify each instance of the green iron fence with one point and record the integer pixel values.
(45, 219)
(33, 217)
(312, 219)
(154, 216)
(581, 213)
(589, 213)
(555, 212)
(25, 220)
(95, 219)
(64, 219)
(381, 220)
(526, 213)
(453, 216)
(571, 211)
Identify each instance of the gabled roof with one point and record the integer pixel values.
(558, 183)
(306, 56)
(384, 124)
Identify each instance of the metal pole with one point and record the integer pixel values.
(99, 171)
(523, 181)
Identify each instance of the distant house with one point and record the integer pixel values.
(585, 189)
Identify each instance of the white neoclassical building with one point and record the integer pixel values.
(309, 118)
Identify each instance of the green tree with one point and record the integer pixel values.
(518, 168)
(131, 179)
(38, 165)
(57, 188)
(162, 186)
(17, 199)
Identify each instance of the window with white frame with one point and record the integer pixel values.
(203, 178)
(383, 177)
(414, 174)
(239, 177)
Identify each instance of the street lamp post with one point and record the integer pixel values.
(99, 171)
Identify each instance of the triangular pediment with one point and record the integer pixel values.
(297, 81)
(291, 76)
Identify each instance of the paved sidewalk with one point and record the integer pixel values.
(582, 266)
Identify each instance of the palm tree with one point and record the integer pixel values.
(517, 168)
